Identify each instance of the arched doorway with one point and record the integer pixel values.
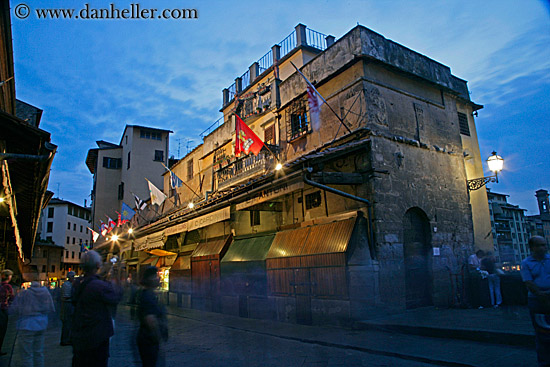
(417, 253)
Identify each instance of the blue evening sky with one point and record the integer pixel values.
(92, 77)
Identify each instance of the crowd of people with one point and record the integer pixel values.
(88, 307)
(87, 311)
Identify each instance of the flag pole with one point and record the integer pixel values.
(319, 94)
(186, 185)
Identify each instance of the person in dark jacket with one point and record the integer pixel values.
(152, 319)
(6, 297)
(67, 309)
(94, 299)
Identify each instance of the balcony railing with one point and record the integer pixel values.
(243, 168)
(313, 38)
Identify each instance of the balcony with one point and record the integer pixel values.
(244, 169)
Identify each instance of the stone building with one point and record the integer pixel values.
(539, 225)
(370, 211)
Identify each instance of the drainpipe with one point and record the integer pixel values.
(349, 196)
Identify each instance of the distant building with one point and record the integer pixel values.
(120, 170)
(539, 225)
(510, 229)
(47, 256)
(66, 224)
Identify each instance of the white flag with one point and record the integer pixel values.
(157, 196)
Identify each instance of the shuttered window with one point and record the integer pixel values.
(463, 123)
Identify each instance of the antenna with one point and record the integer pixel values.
(58, 195)
(188, 141)
(179, 145)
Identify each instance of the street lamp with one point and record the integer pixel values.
(495, 163)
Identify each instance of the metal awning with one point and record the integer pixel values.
(249, 249)
(320, 239)
(210, 247)
(183, 262)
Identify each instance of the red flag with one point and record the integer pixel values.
(245, 139)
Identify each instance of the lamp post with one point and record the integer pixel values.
(495, 163)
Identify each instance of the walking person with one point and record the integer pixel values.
(475, 279)
(32, 306)
(535, 272)
(67, 309)
(152, 320)
(94, 299)
(488, 265)
(6, 297)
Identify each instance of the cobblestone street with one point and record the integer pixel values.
(199, 343)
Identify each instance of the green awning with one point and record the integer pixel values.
(249, 249)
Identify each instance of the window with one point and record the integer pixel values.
(112, 163)
(72, 254)
(81, 229)
(69, 225)
(159, 155)
(49, 227)
(43, 268)
(70, 210)
(297, 121)
(74, 226)
(53, 268)
(44, 253)
(150, 134)
(50, 212)
(126, 139)
(269, 135)
(68, 240)
(67, 253)
(86, 230)
(463, 124)
(128, 163)
(121, 191)
(313, 200)
(74, 240)
(254, 218)
(190, 170)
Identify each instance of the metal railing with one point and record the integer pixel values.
(245, 78)
(243, 168)
(316, 39)
(212, 127)
(313, 38)
(288, 44)
(266, 61)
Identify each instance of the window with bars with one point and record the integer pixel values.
(463, 124)
(297, 123)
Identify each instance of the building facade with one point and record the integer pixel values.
(66, 224)
(120, 170)
(510, 230)
(370, 211)
(26, 155)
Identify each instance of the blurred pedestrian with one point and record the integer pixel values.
(488, 265)
(153, 328)
(475, 279)
(67, 309)
(32, 306)
(535, 272)
(6, 297)
(93, 298)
